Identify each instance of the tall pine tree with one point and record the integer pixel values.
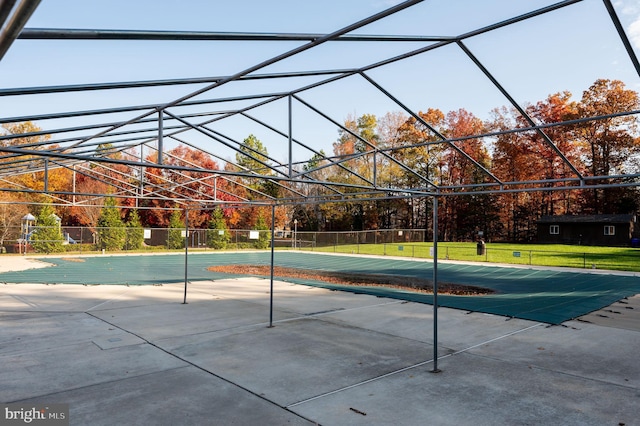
(135, 232)
(47, 238)
(111, 229)
(175, 240)
(218, 235)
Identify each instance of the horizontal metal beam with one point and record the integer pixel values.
(114, 34)
(72, 114)
(20, 91)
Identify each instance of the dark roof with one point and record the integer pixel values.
(594, 218)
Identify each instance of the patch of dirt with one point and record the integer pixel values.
(418, 285)
(73, 259)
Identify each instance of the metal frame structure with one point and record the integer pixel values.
(127, 135)
(146, 129)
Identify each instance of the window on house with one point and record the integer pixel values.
(554, 229)
(609, 230)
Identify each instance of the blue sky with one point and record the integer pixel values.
(565, 50)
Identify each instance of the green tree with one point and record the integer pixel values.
(264, 237)
(218, 235)
(254, 155)
(47, 237)
(254, 159)
(175, 240)
(135, 232)
(111, 229)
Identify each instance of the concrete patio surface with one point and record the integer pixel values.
(138, 355)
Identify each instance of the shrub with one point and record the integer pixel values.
(111, 230)
(218, 235)
(264, 237)
(47, 237)
(135, 232)
(175, 240)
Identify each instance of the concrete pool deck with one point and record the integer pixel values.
(138, 355)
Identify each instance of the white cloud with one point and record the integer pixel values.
(630, 11)
(634, 32)
(627, 7)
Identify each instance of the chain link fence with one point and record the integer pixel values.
(79, 238)
(84, 239)
(404, 243)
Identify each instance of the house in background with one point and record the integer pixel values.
(590, 230)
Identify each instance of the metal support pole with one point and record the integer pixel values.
(186, 253)
(375, 170)
(73, 189)
(623, 35)
(46, 175)
(290, 136)
(160, 136)
(435, 285)
(273, 223)
(142, 172)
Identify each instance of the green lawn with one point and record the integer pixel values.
(615, 258)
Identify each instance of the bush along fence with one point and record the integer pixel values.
(84, 239)
(78, 238)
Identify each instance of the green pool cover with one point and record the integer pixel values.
(549, 296)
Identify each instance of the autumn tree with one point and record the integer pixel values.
(309, 216)
(513, 160)
(86, 207)
(357, 138)
(193, 184)
(547, 156)
(355, 149)
(29, 136)
(610, 144)
(422, 152)
(165, 185)
(464, 161)
(11, 214)
(559, 159)
(390, 172)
